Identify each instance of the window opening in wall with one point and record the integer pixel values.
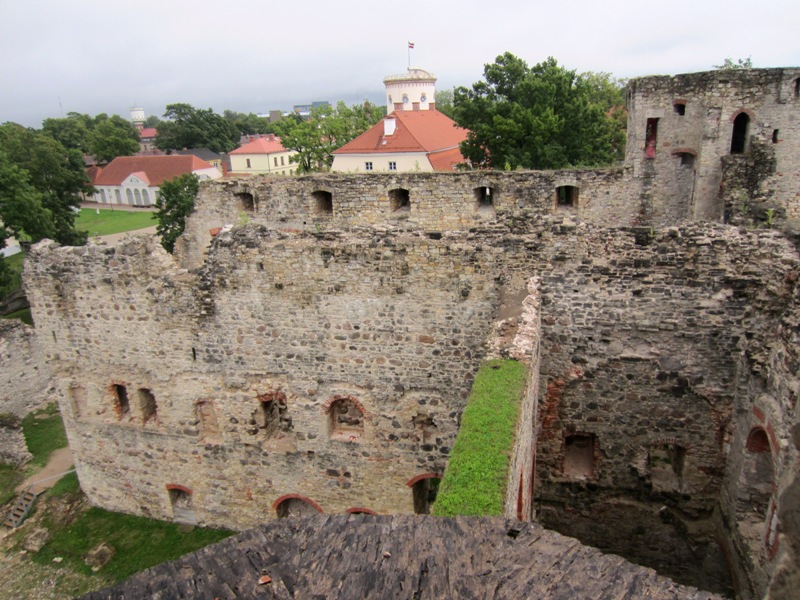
(665, 464)
(567, 196)
(399, 200)
(679, 108)
(579, 458)
(650, 138)
(484, 199)
(146, 198)
(194, 354)
(246, 201)
(392, 165)
(121, 402)
(741, 127)
(275, 161)
(368, 166)
(282, 161)
(757, 479)
(323, 203)
(425, 427)
(129, 196)
(248, 162)
(687, 159)
(424, 492)
(207, 424)
(346, 419)
(272, 415)
(147, 403)
(138, 197)
(181, 500)
(295, 507)
(118, 195)
(797, 87)
(77, 399)
(774, 136)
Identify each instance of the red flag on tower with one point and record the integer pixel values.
(410, 45)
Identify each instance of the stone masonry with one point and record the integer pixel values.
(310, 346)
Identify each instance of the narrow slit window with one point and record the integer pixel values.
(651, 138)
(775, 137)
(121, 402)
(741, 128)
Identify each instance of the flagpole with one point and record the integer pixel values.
(409, 56)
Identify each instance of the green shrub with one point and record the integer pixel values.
(476, 476)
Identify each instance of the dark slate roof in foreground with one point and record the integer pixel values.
(428, 558)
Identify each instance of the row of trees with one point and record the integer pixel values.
(101, 136)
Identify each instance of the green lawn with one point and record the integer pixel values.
(44, 433)
(475, 480)
(113, 221)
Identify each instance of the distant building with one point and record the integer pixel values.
(147, 135)
(204, 154)
(262, 155)
(135, 180)
(414, 136)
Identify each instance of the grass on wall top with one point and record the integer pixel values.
(477, 474)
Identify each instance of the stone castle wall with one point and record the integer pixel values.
(24, 375)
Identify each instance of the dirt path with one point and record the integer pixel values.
(60, 462)
(113, 238)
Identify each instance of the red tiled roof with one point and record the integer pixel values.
(148, 132)
(446, 159)
(262, 145)
(93, 173)
(416, 131)
(156, 169)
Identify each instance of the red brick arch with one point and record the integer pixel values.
(747, 111)
(413, 480)
(180, 488)
(361, 509)
(305, 499)
(326, 406)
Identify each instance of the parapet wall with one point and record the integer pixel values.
(24, 375)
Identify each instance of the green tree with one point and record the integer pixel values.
(55, 172)
(152, 121)
(72, 132)
(249, 124)
(175, 202)
(189, 127)
(540, 117)
(112, 137)
(327, 128)
(444, 102)
(21, 210)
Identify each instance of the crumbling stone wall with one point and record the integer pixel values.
(683, 167)
(24, 374)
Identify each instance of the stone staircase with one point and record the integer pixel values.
(22, 507)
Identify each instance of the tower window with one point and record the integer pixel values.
(679, 108)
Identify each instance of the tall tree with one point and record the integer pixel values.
(112, 137)
(55, 172)
(175, 202)
(444, 102)
(327, 128)
(21, 209)
(189, 127)
(540, 117)
(249, 124)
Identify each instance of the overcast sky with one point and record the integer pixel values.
(93, 56)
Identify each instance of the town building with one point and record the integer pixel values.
(135, 180)
(262, 155)
(413, 137)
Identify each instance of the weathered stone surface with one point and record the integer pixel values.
(362, 556)
(99, 556)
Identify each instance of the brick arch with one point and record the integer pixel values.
(758, 440)
(326, 406)
(413, 480)
(181, 488)
(305, 499)
(670, 440)
(751, 115)
(691, 151)
(361, 509)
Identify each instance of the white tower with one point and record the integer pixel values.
(137, 117)
(415, 90)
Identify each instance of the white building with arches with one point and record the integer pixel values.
(135, 180)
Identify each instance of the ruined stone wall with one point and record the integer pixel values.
(437, 202)
(395, 327)
(683, 170)
(24, 372)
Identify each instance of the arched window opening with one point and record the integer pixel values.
(181, 500)
(323, 203)
(138, 195)
(484, 199)
(399, 200)
(121, 403)
(567, 196)
(679, 108)
(757, 479)
(361, 511)
(741, 128)
(246, 202)
(147, 404)
(296, 506)
(346, 419)
(272, 414)
(579, 455)
(665, 465)
(146, 197)
(651, 138)
(129, 196)
(424, 492)
(103, 196)
(686, 158)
